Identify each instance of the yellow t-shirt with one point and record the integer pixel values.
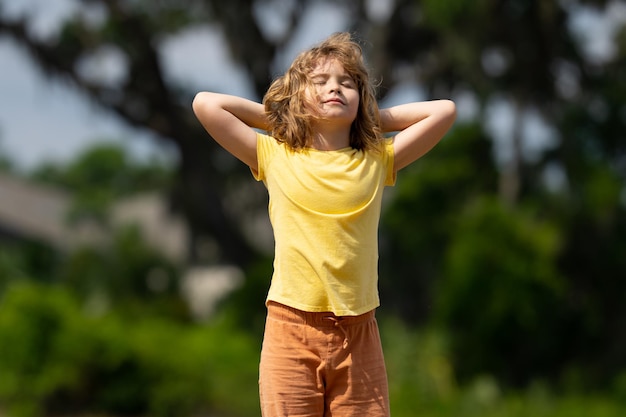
(324, 208)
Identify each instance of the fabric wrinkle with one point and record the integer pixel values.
(321, 365)
(338, 324)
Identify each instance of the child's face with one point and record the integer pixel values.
(336, 95)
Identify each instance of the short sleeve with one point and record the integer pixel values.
(390, 178)
(264, 150)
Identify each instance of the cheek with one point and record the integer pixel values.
(356, 104)
(311, 96)
(311, 102)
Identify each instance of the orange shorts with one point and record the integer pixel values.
(321, 365)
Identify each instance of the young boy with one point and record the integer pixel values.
(325, 163)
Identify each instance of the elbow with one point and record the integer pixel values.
(448, 112)
(198, 101)
(203, 106)
(449, 109)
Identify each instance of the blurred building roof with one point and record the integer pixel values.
(37, 212)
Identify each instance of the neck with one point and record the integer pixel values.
(327, 138)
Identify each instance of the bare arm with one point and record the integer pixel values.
(230, 120)
(420, 126)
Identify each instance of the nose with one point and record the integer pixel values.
(335, 87)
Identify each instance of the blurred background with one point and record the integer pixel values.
(135, 254)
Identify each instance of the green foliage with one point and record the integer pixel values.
(444, 13)
(594, 263)
(502, 294)
(517, 294)
(421, 216)
(127, 273)
(422, 382)
(245, 307)
(421, 375)
(31, 324)
(101, 175)
(601, 194)
(5, 164)
(61, 360)
(25, 260)
(522, 289)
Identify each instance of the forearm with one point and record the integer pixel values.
(231, 121)
(419, 127)
(398, 118)
(249, 112)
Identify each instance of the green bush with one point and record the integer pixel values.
(421, 377)
(422, 382)
(56, 359)
(25, 260)
(421, 217)
(502, 296)
(122, 274)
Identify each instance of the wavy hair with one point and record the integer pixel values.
(285, 102)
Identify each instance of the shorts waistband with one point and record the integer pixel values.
(283, 312)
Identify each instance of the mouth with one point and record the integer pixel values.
(333, 100)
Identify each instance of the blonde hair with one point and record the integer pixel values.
(286, 100)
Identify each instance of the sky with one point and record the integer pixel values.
(47, 120)
(43, 119)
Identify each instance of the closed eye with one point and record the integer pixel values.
(347, 82)
(319, 80)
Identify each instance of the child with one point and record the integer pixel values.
(325, 164)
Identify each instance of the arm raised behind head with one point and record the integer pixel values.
(231, 121)
(420, 126)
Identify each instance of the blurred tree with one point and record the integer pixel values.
(521, 55)
(517, 50)
(62, 361)
(5, 164)
(145, 98)
(125, 271)
(100, 176)
(526, 57)
(127, 274)
(507, 298)
(423, 217)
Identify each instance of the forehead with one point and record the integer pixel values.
(328, 65)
